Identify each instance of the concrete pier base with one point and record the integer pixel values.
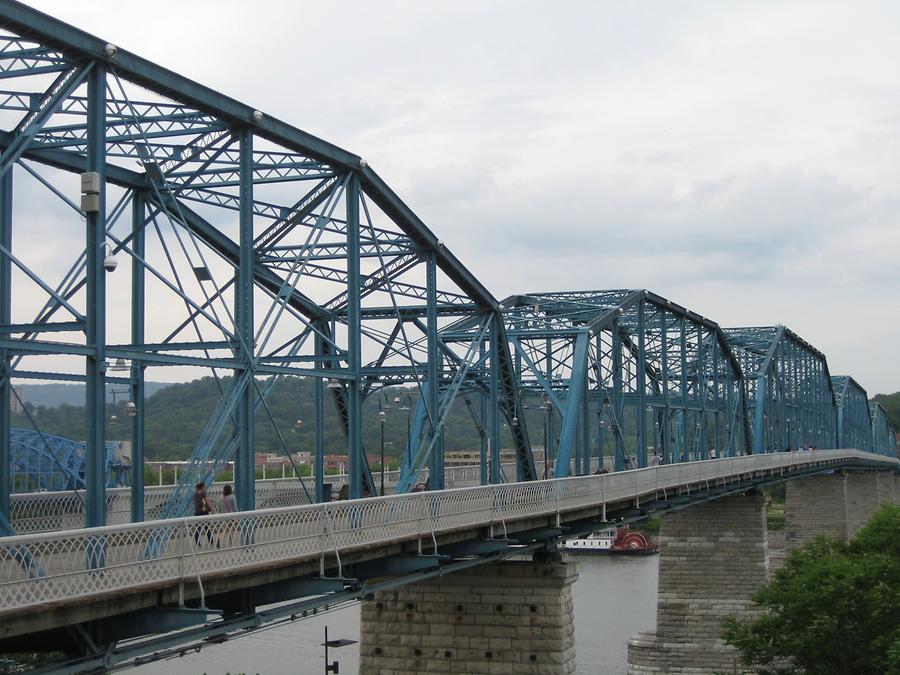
(510, 617)
(712, 559)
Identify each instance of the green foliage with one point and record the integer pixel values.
(176, 415)
(649, 527)
(832, 608)
(776, 496)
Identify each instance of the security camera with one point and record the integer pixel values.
(363, 163)
(110, 50)
(257, 116)
(110, 263)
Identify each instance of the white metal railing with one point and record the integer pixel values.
(76, 564)
(64, 510)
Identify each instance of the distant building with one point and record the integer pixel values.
(302, 457)
(269, 459)
(340, 462)
(470, 457)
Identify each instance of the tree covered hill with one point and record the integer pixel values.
(60, 393)
(891, 403)
(176, 415)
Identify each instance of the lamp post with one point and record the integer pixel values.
(383, 407)
(130, 407)
(788, 421)
(545, 407)
(601, 451)
(406, 400)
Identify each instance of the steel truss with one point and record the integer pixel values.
(884, 438)
(256, 251)
(44, 462)
(854, 423)
(626, 370)
(789, 391)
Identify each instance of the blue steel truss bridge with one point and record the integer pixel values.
(148, 221)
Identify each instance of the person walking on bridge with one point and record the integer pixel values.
(228, 505)
(202, 507)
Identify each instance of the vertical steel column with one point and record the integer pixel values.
(137, 368)
(244, 464)
(821, 403)
(548, 434)
(759, 419)
(319, 404)
(795, 377)
(642, 387)
(685, 431)
(806, 379)
(664, 376)
(618, 438)
(483, 414)
(703, 452)
(355, 459)
(586, 424)
(434, 373)
(730, 403)
(6, 199)
(716, 398)
(95, 338)
(495, 404)
(785, 440)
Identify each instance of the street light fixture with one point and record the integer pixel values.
(407, 406)
(128, 411)
(383, 407)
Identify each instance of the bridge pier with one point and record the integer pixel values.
(509, 617)
(837, 505)
(713, 557)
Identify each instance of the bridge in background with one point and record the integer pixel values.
(241, 247)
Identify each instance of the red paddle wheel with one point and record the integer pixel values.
(631, 542)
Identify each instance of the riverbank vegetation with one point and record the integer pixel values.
(832, 608)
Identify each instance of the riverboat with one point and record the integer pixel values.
(612, 540)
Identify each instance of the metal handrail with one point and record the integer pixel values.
(70, 563)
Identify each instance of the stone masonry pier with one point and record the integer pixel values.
(712, 559)
(837, 505)
(510, 617)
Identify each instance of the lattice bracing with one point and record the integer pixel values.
(854, 423)
(628, 371)
(884, 437)
(790, 399)
(247, 249)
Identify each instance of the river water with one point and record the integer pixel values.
(614, 597)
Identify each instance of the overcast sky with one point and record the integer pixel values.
(742, 159)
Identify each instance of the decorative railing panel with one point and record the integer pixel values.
(60, 566)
